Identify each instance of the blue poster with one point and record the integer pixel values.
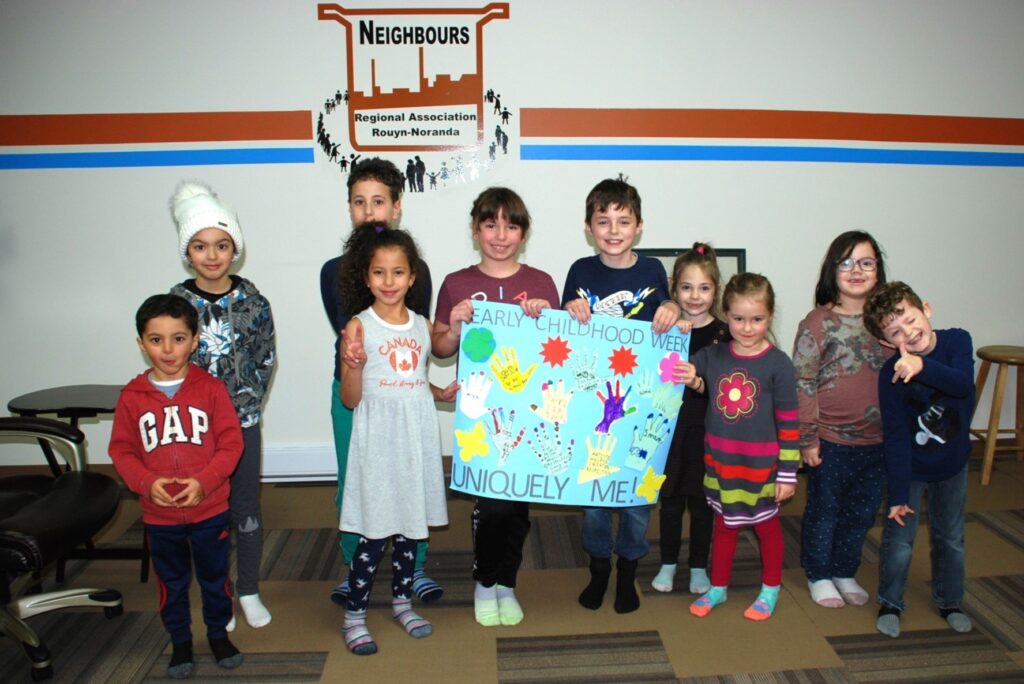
(553, 411)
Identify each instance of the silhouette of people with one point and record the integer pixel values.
(410, 175)
(492, 150)
(504, 142)
(497, 134)
(497, 104)
(421, 169)
(433, 180)
(505, 114)
(444, 173)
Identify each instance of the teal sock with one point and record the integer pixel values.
(764, 605)
(713, 597)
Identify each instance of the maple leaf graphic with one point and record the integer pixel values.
(622, 361)
(555, 351)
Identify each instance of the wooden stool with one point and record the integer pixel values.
(1004, 356)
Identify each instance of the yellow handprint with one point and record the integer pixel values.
(472, 442)
(650, 486)
(597, 459)
(506, 370)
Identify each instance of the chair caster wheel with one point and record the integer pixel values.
(42, 673)
(113, 611)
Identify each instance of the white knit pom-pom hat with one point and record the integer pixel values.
(196, 207)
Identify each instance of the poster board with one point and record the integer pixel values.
(554, 411)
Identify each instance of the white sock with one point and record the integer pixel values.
(663, 580)
(256, 614)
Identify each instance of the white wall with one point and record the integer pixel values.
(80, 249)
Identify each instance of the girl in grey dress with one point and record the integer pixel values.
(394, 481)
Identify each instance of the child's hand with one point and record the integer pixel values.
(685, 373)
(665, 317)
(474, 394)
(579, 309)
(811, 456)
(784, 491)
(191, 495)
(533, 307)
(898, 512)
(684, 326)
(461, 313)
(447, 394)
(908, 366)
(159, 495)
(353, 353)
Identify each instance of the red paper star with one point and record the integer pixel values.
(622, 361)
(555, 351)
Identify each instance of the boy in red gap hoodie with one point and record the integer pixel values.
(175, 441)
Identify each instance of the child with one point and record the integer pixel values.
(394, 478)
(752, 431)
(374, 194)
(695, 283)
(926, 394)
(236, 345)
(616, 282)
(500, 223)
(175, 441)
(837, 362)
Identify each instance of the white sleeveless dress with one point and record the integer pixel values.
(394, 483)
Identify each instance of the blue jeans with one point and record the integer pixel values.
(946, 501)
(631, 541)
(843, 495)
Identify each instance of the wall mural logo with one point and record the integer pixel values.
(415, 86)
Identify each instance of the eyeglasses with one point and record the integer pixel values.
(865, 264)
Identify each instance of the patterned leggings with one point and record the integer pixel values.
(367, 558)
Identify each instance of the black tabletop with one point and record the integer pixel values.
(70, 401)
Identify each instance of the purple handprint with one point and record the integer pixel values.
(614, 406)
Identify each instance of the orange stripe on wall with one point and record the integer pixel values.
(764, 123)
(110, 129)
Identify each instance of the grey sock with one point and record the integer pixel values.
(889, 625)
(959, 622)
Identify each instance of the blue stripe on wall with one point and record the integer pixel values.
(766, 154)
(97, 160)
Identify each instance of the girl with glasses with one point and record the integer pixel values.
(837, 363)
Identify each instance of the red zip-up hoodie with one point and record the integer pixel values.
(195, 434)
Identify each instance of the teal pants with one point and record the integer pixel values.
(341, 421)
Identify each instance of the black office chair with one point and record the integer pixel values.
(42, 519)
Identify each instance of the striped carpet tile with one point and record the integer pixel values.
(591, 658)
(1007, 524)
(257, 667)
(87, 647)
(925, 656)
(820, 676)
(996, 604)
(555, 542)
(310, 555)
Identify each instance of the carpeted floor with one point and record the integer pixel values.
(559, 641)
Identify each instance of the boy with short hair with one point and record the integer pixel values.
(176, 440)
(616, 282)
(926, 397)
(374, 194)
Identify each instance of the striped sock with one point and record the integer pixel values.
(417, 626)
(357, 636)
(427, 590)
